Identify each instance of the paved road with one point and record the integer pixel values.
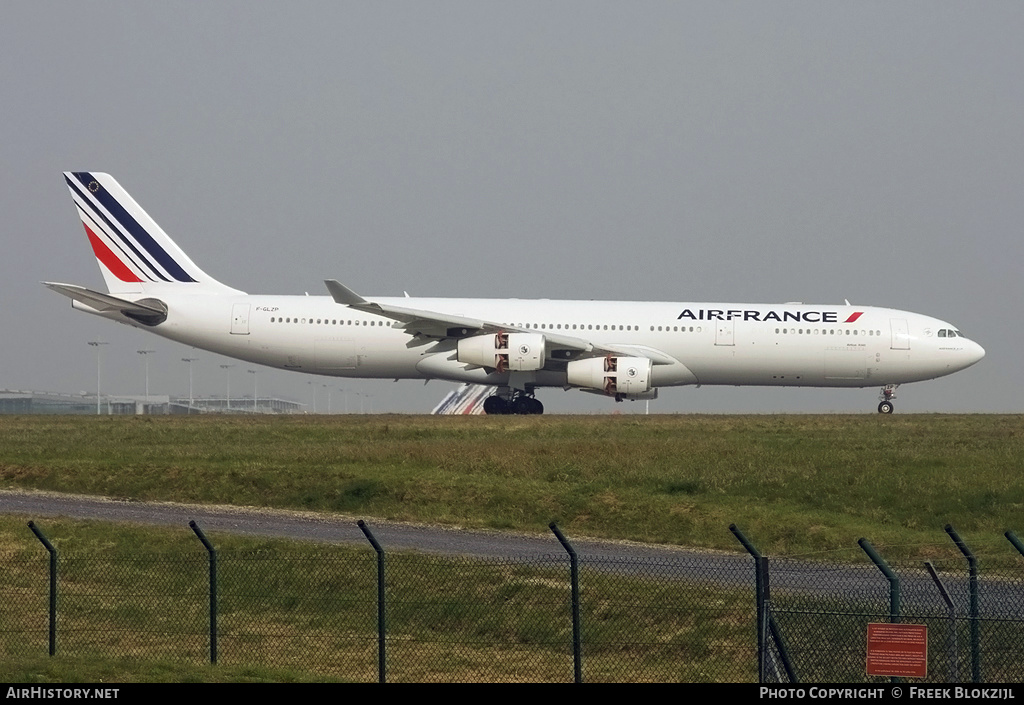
(336, 528)
(861, 581)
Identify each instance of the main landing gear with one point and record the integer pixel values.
(887, 395)
(518, 404)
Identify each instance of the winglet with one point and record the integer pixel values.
(342, 294)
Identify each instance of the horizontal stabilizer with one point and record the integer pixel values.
(148, 311)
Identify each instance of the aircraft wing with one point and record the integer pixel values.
(432, 324)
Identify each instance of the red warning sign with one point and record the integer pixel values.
(897, 650)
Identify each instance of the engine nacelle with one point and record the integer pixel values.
(505, 352)
(612, 375)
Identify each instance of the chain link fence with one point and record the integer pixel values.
(351, 614)
(822, 612)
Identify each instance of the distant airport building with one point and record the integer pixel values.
(29, 402)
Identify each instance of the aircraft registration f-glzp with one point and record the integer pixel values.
(620, 349)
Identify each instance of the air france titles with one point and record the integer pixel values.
(714, 314)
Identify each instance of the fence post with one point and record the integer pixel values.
(894, 581)
(764, 615)
(954, 671)
(381, 612)
(1012, 538)
(574, 577)
(894, 586)
(758, 596)
(212, 552)
(972, 566)
(53, 585)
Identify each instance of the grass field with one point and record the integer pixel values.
(795, 484)
(133, 608)
(805, 486)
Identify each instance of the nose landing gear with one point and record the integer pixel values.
(885, 406)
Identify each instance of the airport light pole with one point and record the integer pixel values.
(227, 374)
(254, 395)
(96, 344)
(145, 355)
(190, 360)
(364, 396)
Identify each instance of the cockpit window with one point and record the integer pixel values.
(942, 333)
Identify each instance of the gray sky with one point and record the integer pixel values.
(681, 151)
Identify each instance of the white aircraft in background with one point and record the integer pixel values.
(619, 349)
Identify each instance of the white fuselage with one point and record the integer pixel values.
(622, 349)
(708, 343)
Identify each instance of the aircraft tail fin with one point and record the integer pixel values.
(133, 252)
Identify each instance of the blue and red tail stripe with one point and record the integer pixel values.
(109, 260)
(131, 260)
(124, 231)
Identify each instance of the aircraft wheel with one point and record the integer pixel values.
(523, 405)
(538, 408)
(496, 406)
(885, 407)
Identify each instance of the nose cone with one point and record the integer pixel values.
(973, 353)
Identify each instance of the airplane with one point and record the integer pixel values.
(623, 350)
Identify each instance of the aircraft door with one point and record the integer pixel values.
(240, 319)
(900, 334)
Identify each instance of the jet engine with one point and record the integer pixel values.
(505, 352)
(613, 375)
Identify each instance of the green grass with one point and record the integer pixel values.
(794, 484)
(797, 485)
(133, 609)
